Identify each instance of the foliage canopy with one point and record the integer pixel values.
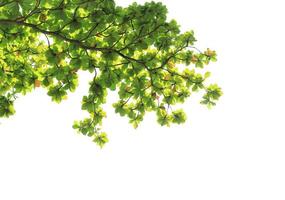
(133, 50)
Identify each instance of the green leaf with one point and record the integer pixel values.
(178, 116)
(101, 139)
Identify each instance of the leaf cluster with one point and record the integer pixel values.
(133, 50)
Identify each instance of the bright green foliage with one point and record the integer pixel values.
(134, 51)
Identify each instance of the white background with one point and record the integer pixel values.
(234, 151)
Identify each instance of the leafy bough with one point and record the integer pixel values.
(134, 51)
